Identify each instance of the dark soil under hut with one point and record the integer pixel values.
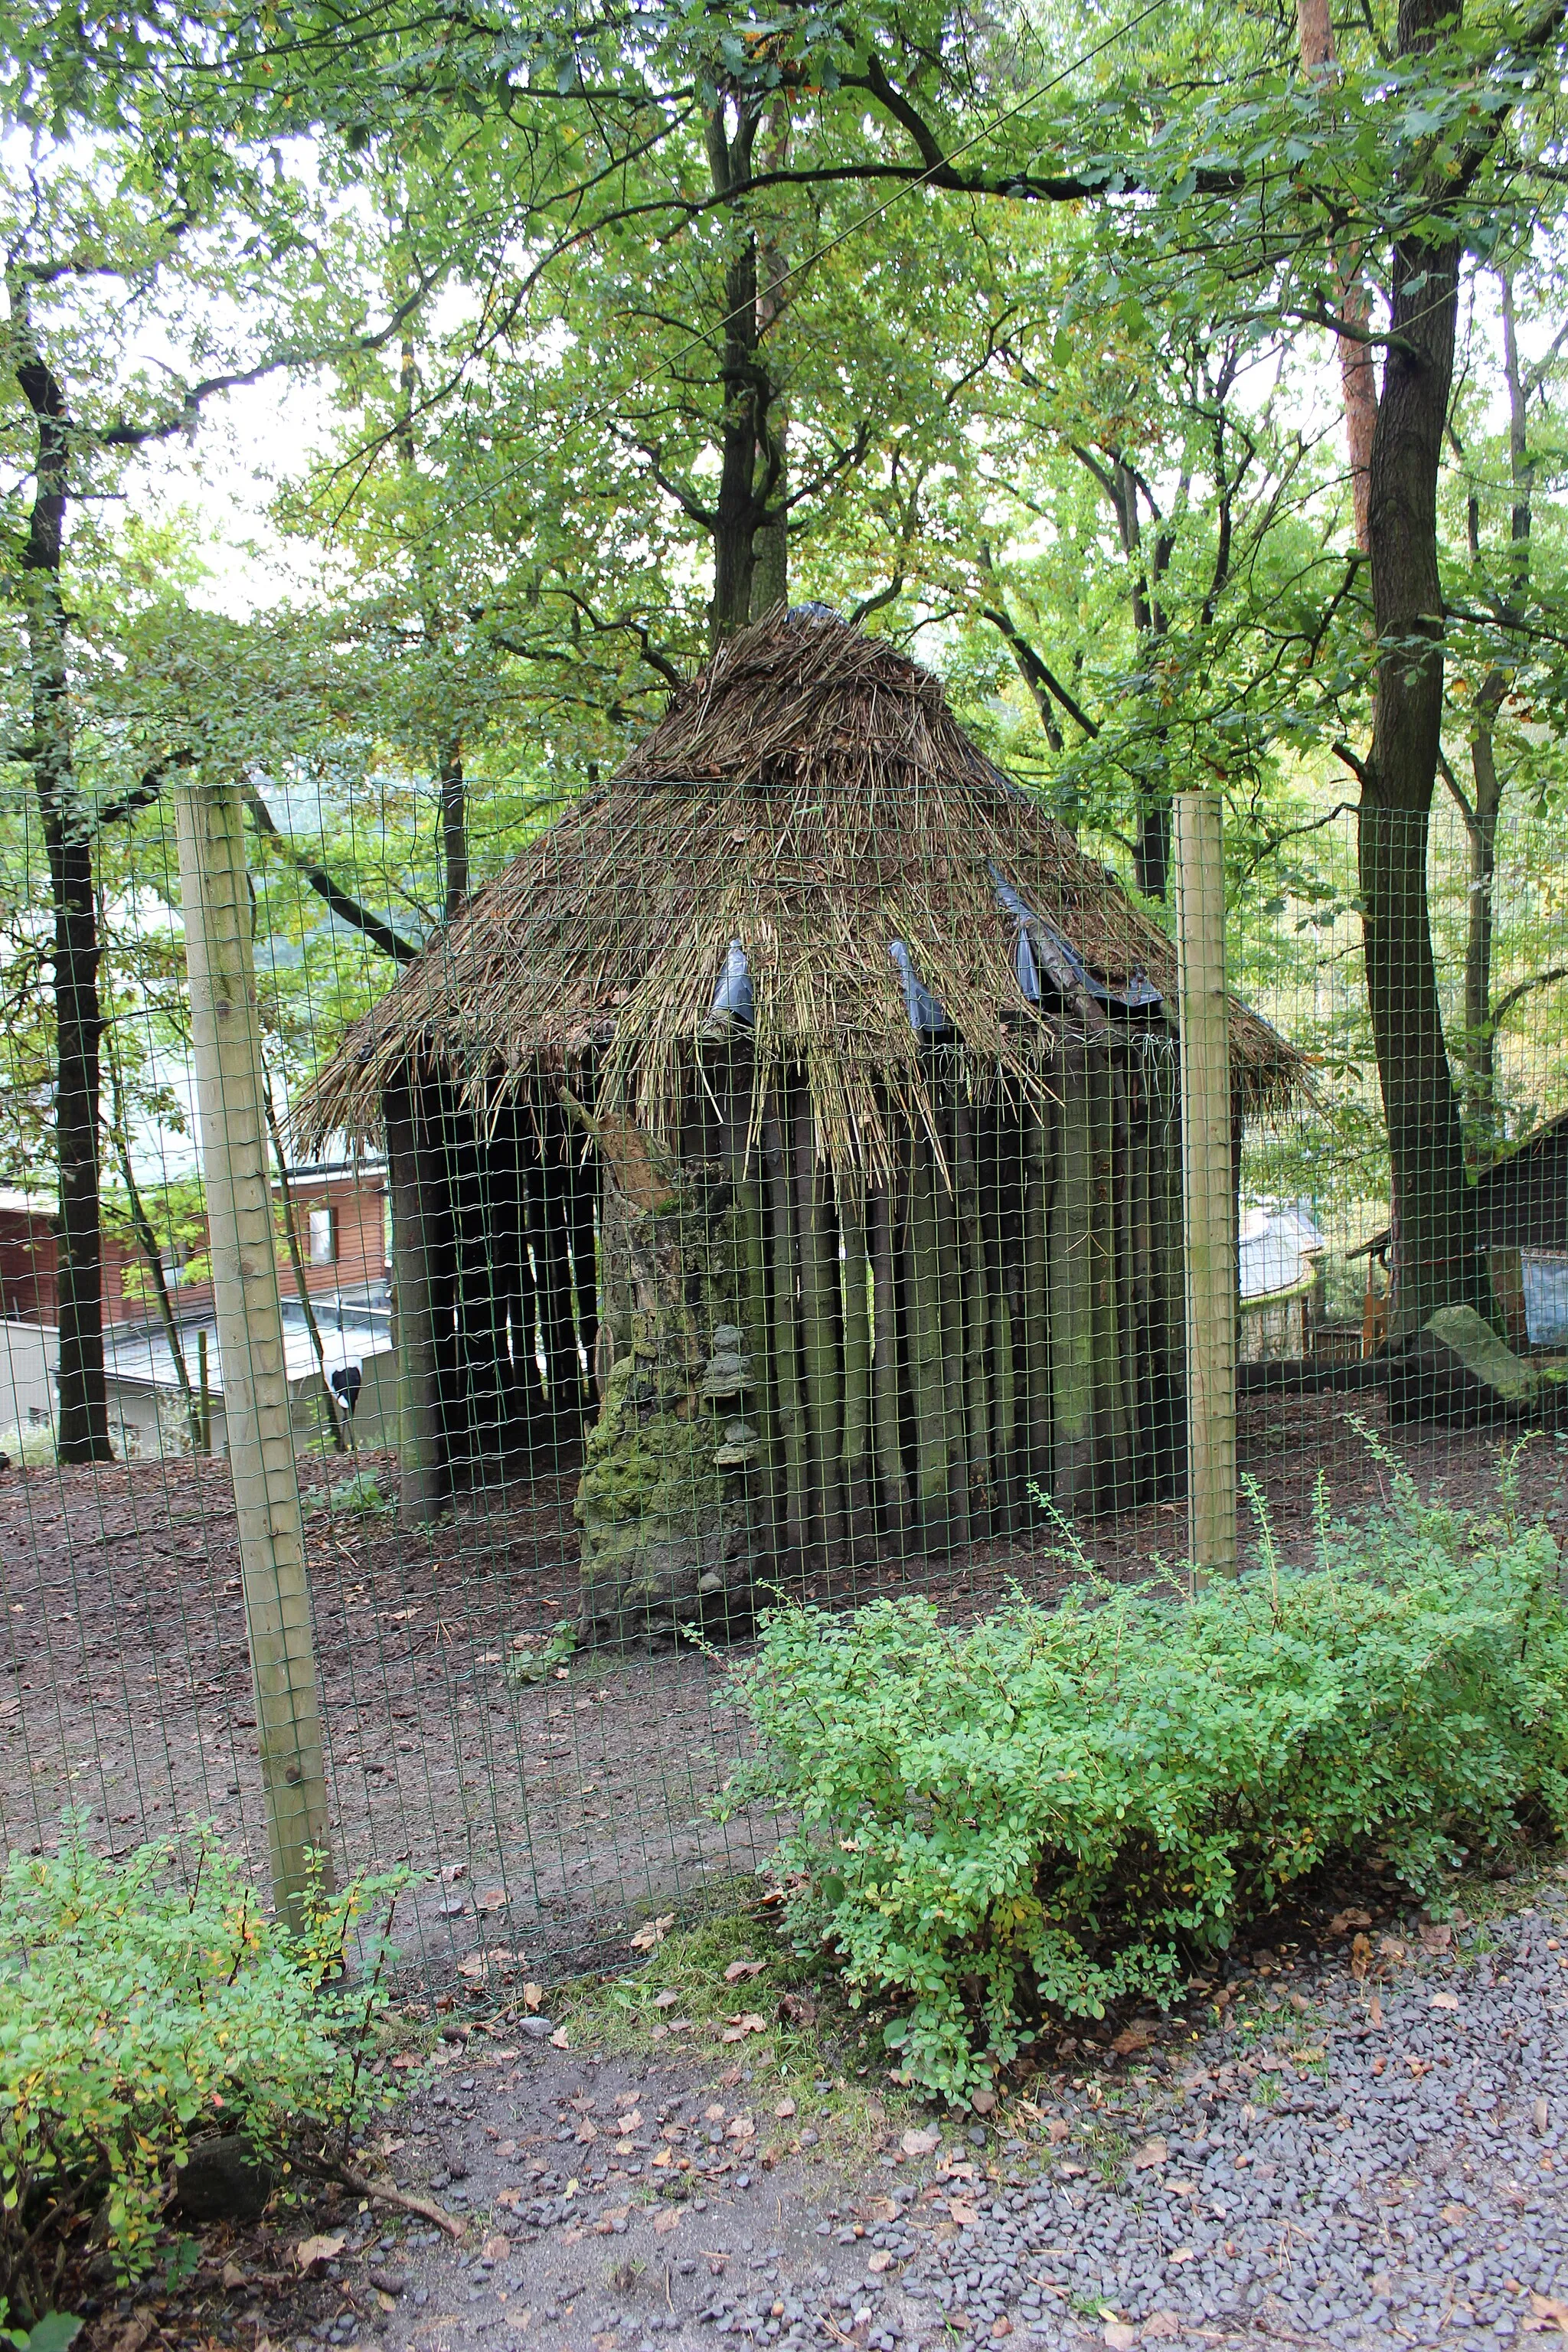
(543, 1817)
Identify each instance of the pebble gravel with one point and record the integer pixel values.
(1366, 2146)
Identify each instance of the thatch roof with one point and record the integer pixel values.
(810, 797)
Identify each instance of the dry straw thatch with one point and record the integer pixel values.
(810, 795)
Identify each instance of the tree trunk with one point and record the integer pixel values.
(1480, 1051)
(1436, 1263)
(83, 1433)
(668, 1497)
(454, 801)
(1358, 382)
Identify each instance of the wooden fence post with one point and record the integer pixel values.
(231, 1104)
(1207, 1202)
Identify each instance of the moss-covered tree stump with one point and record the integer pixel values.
(666, 1501)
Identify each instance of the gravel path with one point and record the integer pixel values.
(1367, 2149)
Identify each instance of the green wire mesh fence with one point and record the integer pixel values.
(768, 1186)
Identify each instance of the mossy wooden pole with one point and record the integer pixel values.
(230, 1098)
(1071, 1248)
(885, 1209)
(786, 1324)
(1207, 1213)
(859, 1482)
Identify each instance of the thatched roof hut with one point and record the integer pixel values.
(809, 950)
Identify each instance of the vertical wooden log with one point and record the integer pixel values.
(1071, 1251)
(993, 1141)
(1033, 1316)
(787, 1324)
(1207, 1184)
(734, 1080)
(969, 1281)
(563, 1367)
(421, 1467)
(859, 1482)
(1141, 1254)
(582, 1195)
(1111, 1480)
(928, 1381)
(887, 1387)
(226, 1036)
(820, 1356)
(1167, 1278)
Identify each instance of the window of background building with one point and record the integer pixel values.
(324, 1236)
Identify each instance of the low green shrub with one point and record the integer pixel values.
(144, 2003)
(1061, 1807)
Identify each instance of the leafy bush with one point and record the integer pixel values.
(143, 2003)
(360, 1496)
(1061, 1807)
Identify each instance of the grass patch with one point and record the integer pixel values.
(777, 2016)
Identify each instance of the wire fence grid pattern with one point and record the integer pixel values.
(572, 1395)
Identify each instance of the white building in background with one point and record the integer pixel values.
(147, 1412)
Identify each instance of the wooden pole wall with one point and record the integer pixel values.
(929, 1350)
(231, 1100)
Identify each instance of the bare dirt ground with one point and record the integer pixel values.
(543, 1817)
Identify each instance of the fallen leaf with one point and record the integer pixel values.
(785, 2108)
(654, 1934)
(588, 2131)
(1548, 2310)
(1361, 1956)
(1389, 1948)
(1153, 2153)
(532, 1996)
(665, 2222)
(1133, 2038)
(1119, 2336)
(1375, 2009)
(963, 2212)
(1435, 1934)
(496, 2250)
(983, 2102)
(312, 2251)
(452, 1872)
(1454, 2214)
(880, 2261)
(1444, 2001)
(233, 2275)
(1184, 2255)
(1342, 1921)
(665, 2000)
(1161, 2327)
(737, 2027)
(741, 2127)
(558, 2039)
(492, 1899)
(739, 1969)
(921, 2143)
(1056, 2130)
(794, 2009)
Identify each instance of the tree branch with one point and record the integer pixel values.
(347, 910)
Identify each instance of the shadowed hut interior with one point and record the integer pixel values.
(790, 1134)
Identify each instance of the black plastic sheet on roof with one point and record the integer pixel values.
(1047, 963)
